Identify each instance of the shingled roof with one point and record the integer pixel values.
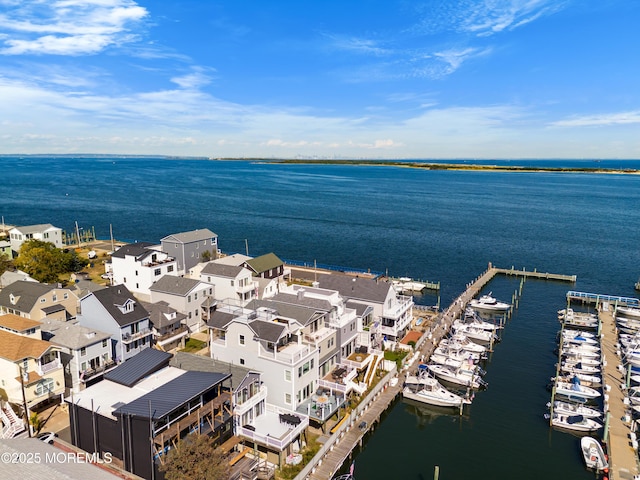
(137, 250)
(264, 262)
(118, 295)
(25, 295)
(356, 287)
(174, 285)
(221, 270)
(16, 323)
(162, 314)
(14, 347)
(192, 236)
(269, 331)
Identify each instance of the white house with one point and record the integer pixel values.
(116, 311)
(188, 296)
(85, 352)
(45, 232)
(139, 265)
(234, 284)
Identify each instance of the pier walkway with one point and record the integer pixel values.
(623, 458)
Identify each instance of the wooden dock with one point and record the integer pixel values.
(353, 437)
(598, 299)
(623, 458)
(536, 274)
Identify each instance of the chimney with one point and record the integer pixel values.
(300, 293)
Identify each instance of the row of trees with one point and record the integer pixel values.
(44, 261)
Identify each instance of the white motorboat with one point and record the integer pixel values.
(569, 332)
(579, 322)
(580, 368)
(576, 423)
(629, 312)
(571, 359)
(458, 376)
(452, 351)
(578, 340)
(460, 340)
(594, 381)
(429, 390)
(568, 408)
(579, 351)
(474, 333)
(568, 389)
(593, 454)
(473, 319)
(489, 304)
(449, 361)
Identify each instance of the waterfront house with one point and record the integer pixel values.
(38, 301)
(143, 407)
(189, 248)
(271, 342)
(116, 311)
(258, 425)
(45, 232)
(139, 265)
(21, 326)
(30, 370)
(186, 295)
(234, 284)
(85, 353)
(267, 266)
(392, 313)
(169, 325)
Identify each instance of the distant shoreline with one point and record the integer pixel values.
(457, 166)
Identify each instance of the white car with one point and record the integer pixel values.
(47, 437)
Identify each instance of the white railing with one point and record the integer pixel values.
(12, 424)
(290, 357)
(338, 387)
(398, 310)
(130, 337)
(45, 368)
(242, 408)
(278, 443)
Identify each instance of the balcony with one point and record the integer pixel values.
(318, 336)
(247, 288)
(241, 408)
(404, 304)
(176, 334)
(290, 354)
(45, 368)
(94, 372)
(130, 337)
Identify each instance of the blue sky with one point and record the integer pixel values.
(329, 79)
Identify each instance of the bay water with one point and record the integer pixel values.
(439, 225)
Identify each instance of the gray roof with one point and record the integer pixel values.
(188, 237)
(221, 270)
(53, 309)
(220, 319)
(190, 361)
(356, 287)
(32, 448)
(41, 227)
(71, 335)
(26, 294)
(138, 367)
(83, 287)
(360, 308)
(269, 331)
(9, 277)
(158, 312)
(303, 301)
(302, 314)
(137, 250)
(236, 259)
(111, 297)
(170, 396)
(174, 285)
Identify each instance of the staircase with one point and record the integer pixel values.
(11, 423)
(372, 369)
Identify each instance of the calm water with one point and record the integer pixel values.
(438, 225)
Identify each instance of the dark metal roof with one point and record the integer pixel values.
(158, 403)
(138, 367)
(200, 363)
(53, 309)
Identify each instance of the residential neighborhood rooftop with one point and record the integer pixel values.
(14, 347)
(138, 367)
(23, 295)
(118, 295)
(221, 270)
(72, 335)
(192, 236)
(17, 324)
(174, 285)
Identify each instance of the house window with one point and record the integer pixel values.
(156, 272)
(188, 298)
(66, 296)
(136, 273)
(127, 347)
(195, 296)
(241, 339)
(170, 268)
(54, 297)
(83, 351)
(42, 300)
(232, 283)
(104, 343)
(287, 398)
(45, 386)
(242, 361)
(287, 375)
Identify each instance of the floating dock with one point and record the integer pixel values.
(598, 299)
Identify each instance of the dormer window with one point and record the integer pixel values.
(12, 299)
(127, 307)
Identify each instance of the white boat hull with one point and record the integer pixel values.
(593, 454)
(437, 399)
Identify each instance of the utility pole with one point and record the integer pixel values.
(24, 399)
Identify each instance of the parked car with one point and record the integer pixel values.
(47, 437)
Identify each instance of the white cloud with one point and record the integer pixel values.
(359, 45)
(68, 27)
(622, 118)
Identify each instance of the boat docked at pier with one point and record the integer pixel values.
(570, 408)
(487, 303)
(593, 454)
(629, 312)
(576, 423)
(474, 333)
(574, 389)
(426, 389)
(472, 318)
(458, 376)
(460, 340)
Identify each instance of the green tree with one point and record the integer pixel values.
(45, 262)
(196, 458)
(5, 264)
(206, 256)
